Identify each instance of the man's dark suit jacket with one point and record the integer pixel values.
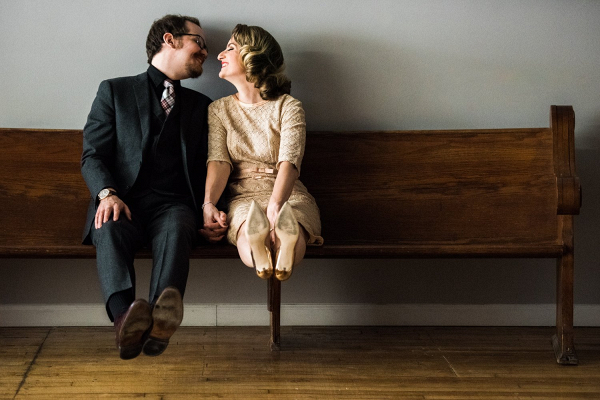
(117, 132)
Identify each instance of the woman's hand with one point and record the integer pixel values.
(215, 223)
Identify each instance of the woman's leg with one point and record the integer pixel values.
(300, 248)
(243, 247)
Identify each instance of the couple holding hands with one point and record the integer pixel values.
(161, 160)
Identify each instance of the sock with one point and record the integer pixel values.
(119, 302)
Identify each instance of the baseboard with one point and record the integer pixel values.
(314, 314)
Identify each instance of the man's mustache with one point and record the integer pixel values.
(200, 56)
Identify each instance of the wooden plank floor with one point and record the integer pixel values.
(315, 363)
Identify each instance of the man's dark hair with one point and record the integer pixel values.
(174, 24)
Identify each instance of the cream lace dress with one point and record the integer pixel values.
(255, 139)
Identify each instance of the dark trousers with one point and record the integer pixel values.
(165, 224)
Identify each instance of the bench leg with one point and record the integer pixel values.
(563, 341)
(274, 307)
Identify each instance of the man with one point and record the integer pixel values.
(144, 162)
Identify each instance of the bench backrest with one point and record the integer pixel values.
(415, 187)
(401, 193)
(42, 194)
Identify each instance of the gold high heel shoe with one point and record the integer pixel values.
(257, 230)
(288, 231)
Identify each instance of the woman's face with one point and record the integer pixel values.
(231, 61)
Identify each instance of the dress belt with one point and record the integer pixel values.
(255, 172)
(270, 171)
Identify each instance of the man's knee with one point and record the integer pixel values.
(119, 231)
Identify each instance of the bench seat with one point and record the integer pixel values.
(382, 194)
(328, 250)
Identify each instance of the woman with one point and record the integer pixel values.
(256, 138)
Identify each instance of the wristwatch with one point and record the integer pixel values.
(104, 193)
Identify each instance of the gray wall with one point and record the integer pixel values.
(402, 64)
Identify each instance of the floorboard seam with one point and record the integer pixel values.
(451, 367)
(32, 363)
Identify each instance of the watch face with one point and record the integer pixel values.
(103, 193)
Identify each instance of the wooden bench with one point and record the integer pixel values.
(402, 194)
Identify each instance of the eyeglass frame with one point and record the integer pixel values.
(202, 46)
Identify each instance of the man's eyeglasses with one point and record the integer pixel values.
(197, 38)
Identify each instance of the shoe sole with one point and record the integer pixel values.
(167, 315)
(257, 230)
(133, 329)
(288, 232)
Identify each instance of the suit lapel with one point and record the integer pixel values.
(186, 131)
(187, 136)
(140, 88)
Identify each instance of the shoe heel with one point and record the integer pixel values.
(257, 230)
(131, 328)
(288, 231)
(167, 315)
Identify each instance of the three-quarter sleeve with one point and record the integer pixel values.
(293, 133)
(217, 138)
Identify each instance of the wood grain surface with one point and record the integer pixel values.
(381, 194)
(317, 363)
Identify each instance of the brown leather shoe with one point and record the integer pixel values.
(167, 315)
(131, 328)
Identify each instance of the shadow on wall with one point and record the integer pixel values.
(371, 85)
(587, 228)
(347, 83)
(336, 88)
(587, 224)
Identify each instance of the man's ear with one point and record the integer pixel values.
(169, 40)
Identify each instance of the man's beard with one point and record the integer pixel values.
(194, 67)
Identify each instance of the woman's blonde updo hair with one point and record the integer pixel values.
(263, 60)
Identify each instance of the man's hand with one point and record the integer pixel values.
(215, 223)
(111, 205)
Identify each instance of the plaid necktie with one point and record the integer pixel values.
(168, 97)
